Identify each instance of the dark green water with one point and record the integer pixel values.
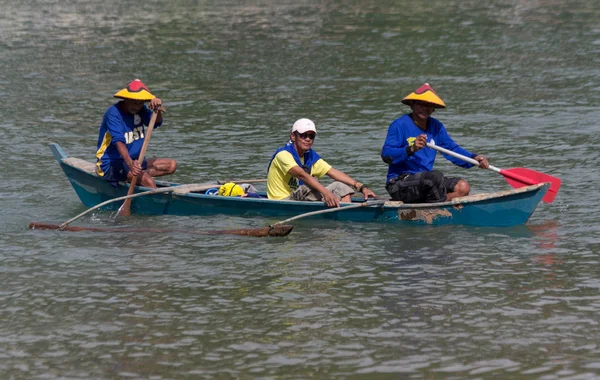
(332, 300)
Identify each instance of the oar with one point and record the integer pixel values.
(379, 202)
(516, 177)
(125, 209)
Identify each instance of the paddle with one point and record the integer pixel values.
(516, 177)
(125, 209)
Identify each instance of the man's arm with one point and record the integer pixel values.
(395, 149)
(114, 126)
(155, 104)
(146, 112)
(328, 197)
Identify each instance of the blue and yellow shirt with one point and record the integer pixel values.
(118, 125)
(280, 183)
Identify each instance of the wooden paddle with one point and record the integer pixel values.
(516, 177)
(125, 209)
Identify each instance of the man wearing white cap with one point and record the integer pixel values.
(121, 137)
(293, 168)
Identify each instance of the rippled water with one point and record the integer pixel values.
(332, 300)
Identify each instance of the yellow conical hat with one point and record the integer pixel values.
(425, 94)
(135, 90)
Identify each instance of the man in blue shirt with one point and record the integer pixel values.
(121, 137)
(410, 177)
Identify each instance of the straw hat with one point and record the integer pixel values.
(425, 94)
(135, 90)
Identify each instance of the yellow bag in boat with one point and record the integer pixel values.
(231, 189)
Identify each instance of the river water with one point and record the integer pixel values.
(331, 300)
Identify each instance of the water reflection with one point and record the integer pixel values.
(547, 234)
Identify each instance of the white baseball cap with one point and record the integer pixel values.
(304, 125)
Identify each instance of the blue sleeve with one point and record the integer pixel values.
(114, 125)
(394, 147)
(147, 115)
(445, 141)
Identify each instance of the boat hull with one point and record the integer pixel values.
(505, 208)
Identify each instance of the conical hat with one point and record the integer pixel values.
(425, 94)
(135, 90)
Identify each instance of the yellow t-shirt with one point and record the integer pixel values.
(281, 184)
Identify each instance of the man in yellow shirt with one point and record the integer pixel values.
(293, 168)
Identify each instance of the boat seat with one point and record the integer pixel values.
(81, 164)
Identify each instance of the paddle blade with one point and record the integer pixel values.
(519, 177)
(125, 209)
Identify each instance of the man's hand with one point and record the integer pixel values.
(483, 162)
(330, 199)
(368, 193)
(420, 143)
(155, 104)
(135, 168)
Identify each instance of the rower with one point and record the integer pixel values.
(121, 137)
(410, 176)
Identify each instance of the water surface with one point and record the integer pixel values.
(332, 300)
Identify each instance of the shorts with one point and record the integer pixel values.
(423, 187)
(305, 193)
(117, 172)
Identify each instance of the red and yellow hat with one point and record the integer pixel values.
(425, 94)
(135, 90)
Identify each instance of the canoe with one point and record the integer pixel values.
(503, 208)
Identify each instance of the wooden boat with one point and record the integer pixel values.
(503, 208)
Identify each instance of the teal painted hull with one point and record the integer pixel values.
(505, 208)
